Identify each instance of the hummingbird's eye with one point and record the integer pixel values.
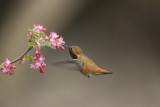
(71, 49)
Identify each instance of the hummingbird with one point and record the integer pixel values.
(82, 63)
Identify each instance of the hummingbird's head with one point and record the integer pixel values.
(75, 51)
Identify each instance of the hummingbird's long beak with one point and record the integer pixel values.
(66, 46)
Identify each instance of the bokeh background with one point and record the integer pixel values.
(120, 36)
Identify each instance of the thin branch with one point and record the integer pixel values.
(20, 58)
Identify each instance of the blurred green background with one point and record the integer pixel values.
(120, 36)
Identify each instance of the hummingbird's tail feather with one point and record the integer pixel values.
(108, 72)
(102, 71)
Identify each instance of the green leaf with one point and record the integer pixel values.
(48, 43)
(30, 30)
(0, 67)
(31, 44)
(42, 43)
(42, 34)
(30, 58)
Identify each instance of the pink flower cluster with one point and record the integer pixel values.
(37, 39)
(38, 29)
(38, 62)
(7, 67)
(56, 42)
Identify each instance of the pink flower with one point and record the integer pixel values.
(54, 35)
(62, 47)
(41, 59)
(38, 62)
(7, 67)
(38, 53)
(38, 29)
(56, 42)
(61, 43)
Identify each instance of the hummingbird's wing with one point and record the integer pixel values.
(68, 65)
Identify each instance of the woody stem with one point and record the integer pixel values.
(20, 58)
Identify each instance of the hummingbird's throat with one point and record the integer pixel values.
(74, 56)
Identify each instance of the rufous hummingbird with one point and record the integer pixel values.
(83, 64)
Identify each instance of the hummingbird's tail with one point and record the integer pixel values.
(106, 72)
(102, 72)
